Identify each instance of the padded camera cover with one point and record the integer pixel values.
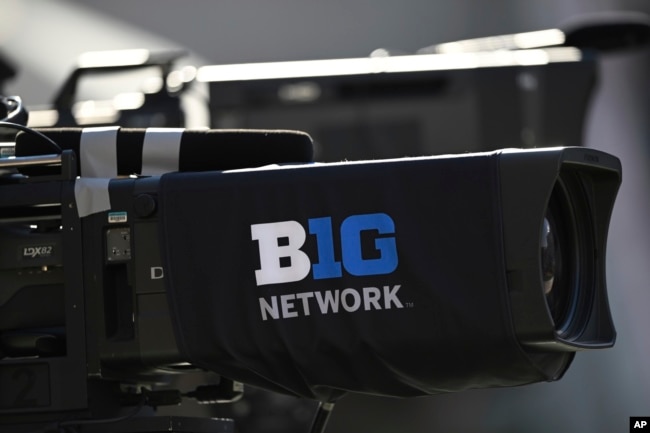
(380, 277)
(124, 150)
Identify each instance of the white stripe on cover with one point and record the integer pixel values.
(91, 195)
(98, 152)
(161, 150)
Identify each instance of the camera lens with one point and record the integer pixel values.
(560, 260)
(557, 290)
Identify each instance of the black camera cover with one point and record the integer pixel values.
(382, 277)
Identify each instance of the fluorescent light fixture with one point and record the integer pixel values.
(102, 59)
(541, 38)
(377, 65)
(518, 41)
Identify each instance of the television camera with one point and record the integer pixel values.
(373, 277)
(134, 256)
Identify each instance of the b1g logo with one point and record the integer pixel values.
(283, 261)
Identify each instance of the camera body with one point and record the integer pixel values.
(72, 316)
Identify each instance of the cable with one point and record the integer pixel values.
(28, 130)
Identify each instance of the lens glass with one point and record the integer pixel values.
(557, 289)
(567, 257)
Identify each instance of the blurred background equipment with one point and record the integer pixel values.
(609, 31)
(131, 88)
(7, 71)
(412, 105)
